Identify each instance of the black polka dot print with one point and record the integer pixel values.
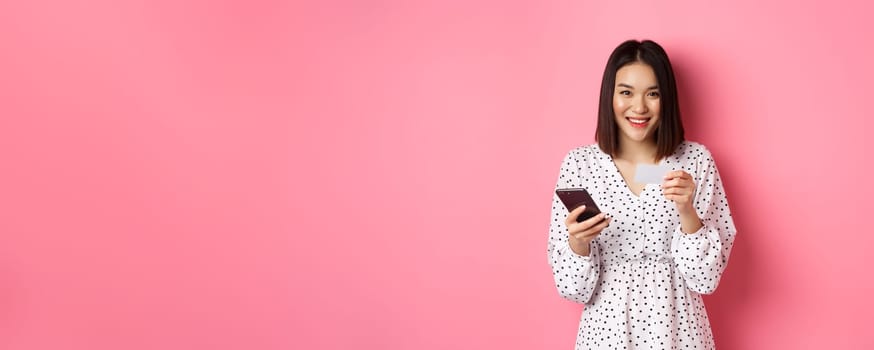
(643, 279)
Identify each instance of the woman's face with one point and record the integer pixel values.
(636, 103)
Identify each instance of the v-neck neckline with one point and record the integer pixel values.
(625, 185)
(622, 178)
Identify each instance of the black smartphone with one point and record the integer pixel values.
(575, 197)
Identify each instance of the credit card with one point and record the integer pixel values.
(651, 173)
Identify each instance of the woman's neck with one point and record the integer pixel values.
(637, 152)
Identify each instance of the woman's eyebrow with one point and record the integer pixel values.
(632, 87)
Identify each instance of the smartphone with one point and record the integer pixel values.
(575, 197)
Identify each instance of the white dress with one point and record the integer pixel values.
(643, 279)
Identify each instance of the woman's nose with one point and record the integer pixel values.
(639, 107)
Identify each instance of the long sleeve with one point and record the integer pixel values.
(701, 257)
(575, 276)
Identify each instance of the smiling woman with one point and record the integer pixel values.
(641, 265)
(636, 107)
(643, 71)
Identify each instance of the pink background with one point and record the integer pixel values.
(337, 175)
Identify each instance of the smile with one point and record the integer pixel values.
(638, 122)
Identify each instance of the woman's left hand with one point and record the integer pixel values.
(679, 187)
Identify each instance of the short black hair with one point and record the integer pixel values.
(669, 134)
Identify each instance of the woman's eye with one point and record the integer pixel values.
(655, 94)
(625, 92)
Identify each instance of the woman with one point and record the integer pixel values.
(641, 266)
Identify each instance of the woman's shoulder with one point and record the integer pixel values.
(585, 153)
(692, 151)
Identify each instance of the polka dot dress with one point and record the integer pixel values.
(643, 279)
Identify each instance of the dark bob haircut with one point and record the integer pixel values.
(669, 134)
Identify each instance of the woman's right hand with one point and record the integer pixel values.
(580, 234)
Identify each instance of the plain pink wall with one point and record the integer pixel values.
(333, 175)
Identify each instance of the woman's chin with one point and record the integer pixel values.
(639, 137)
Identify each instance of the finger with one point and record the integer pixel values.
(678, 198)
(672, 174)
(672, 183)
(590, 223)
(572, 216)
(606, 222)
(675, 174)
(679, 191)
(577, 227)
(682, 197)
(595, 230)
(679, 182)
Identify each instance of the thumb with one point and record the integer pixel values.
(572, 216)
